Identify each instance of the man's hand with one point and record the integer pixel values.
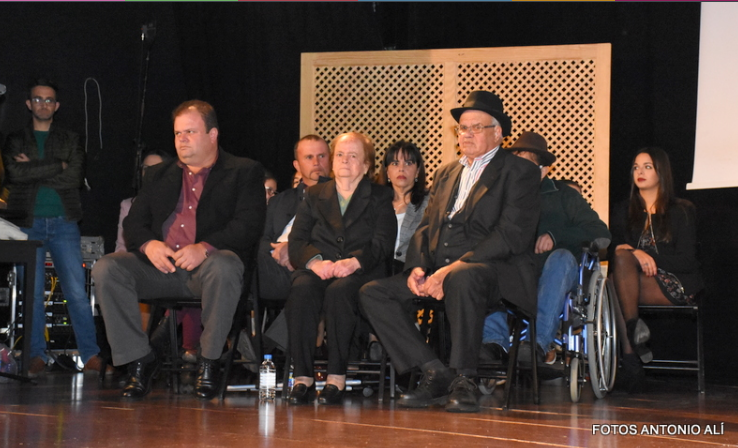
(322, 268)
(346, 267)
(416, 281)
(434, 283)
(158, 253)
(281, 255)
(544, 243)
(21, 158)
(190, 256)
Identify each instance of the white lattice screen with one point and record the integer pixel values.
(561, 92)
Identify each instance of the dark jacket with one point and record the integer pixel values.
(230, 214)
(497, 225)
(24, 178)
(679, 255)
(568, 218)
(367, 230)
(281, 210)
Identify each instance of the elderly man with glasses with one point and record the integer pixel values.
(473, 247)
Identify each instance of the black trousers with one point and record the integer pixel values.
(469, 292)
(274, 280)
(337, 300)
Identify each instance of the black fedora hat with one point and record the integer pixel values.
(535, 143)
(486, 102)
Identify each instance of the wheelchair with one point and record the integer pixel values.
(589, 329)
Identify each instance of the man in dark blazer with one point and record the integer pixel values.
(312, 161)
(191, 230)
(473, 247)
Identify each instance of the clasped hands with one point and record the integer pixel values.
(432, 285)
(327, 269)
(187, 258)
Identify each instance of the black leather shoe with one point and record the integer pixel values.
(631, 377)
(524, 354)
(140, 377)
(638, 335)
(206, 382)
(463, 397)
(302, 394)
(376, 351)
(331, 395)
(493, 353)
(433, 389)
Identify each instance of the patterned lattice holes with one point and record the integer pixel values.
(387, 103)
(553, 98)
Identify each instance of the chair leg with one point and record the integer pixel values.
(700, 354)
(382, 372)
(441, 314)
(512, 363)
(230, 354)
(534, 360)
(286, 375)
(174, 351)
(392, 381)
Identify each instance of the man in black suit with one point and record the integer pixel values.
(473, 247)
(312, 161)
(189, 233)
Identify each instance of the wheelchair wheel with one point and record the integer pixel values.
(601, 336)
(576, 370)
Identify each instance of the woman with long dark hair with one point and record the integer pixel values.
(654, 263)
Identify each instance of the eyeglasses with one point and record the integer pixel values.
(39, 100)
(475, 129)
(270, 191)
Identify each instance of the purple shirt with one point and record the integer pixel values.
(180, 229)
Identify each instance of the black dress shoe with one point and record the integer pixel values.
(493, 353)
(631, 377)
(206, 382)
(433, 389)
(140, 376)
(331, 395)
(463, 397)
(302, 394)
(524, 356)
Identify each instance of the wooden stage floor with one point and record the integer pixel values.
(73, 410)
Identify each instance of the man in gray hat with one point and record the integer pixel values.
(566, 221)
(473, 246)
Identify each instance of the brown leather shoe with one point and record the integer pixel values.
(37, 367)
(96, 364)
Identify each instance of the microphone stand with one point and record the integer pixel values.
(148, 33)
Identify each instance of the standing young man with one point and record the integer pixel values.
(44, 165)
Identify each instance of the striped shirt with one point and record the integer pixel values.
(469, 176)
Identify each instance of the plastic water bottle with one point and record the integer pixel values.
(267, 379)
